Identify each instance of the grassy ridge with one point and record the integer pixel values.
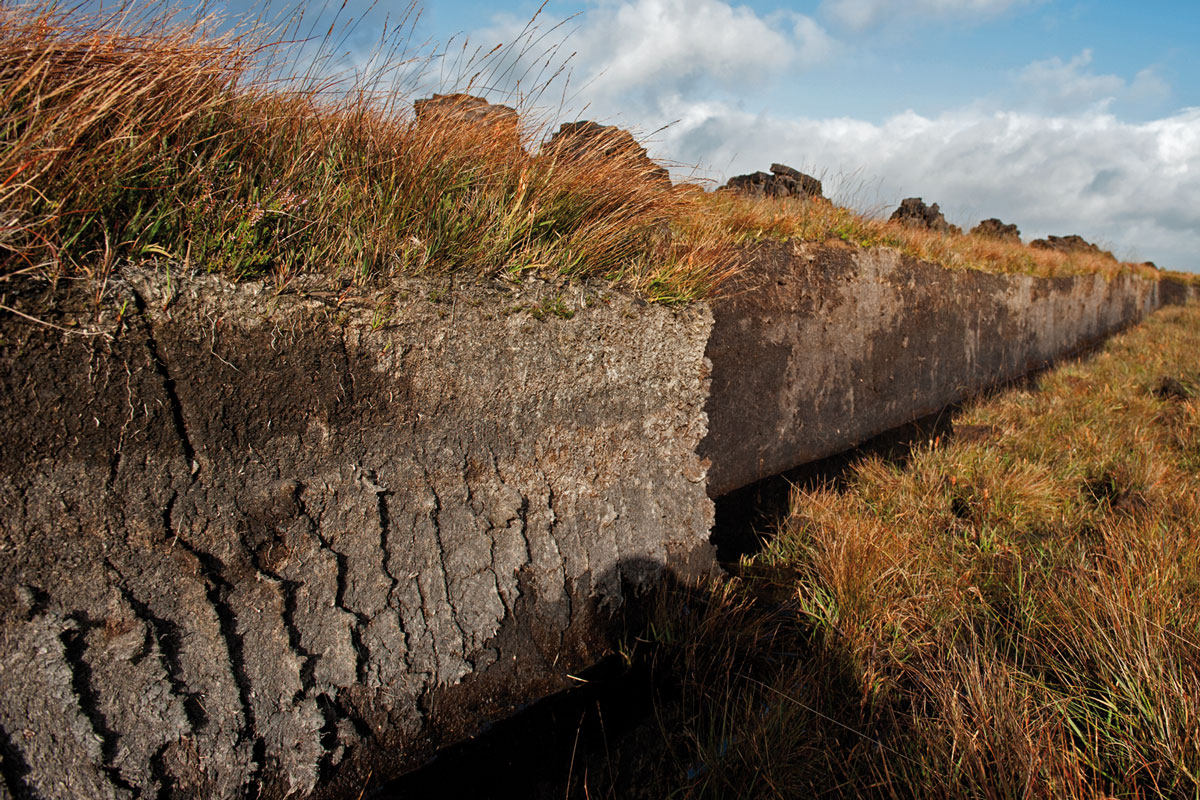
(749, 218)
(133, 135)
(1011, 613)
(136, 134)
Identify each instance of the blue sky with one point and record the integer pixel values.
(1059, 115)
(888, 57)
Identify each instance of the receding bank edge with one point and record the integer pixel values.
(816, 348)
(299, 542)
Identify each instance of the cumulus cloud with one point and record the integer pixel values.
(1063, 86)
(1131, 186)
(678, 42)
(863, 14)
(626, 49)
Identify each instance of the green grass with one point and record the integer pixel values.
(1013, 612)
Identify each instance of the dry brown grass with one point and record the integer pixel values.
(1014, 615)
(134, 135)
(745, 218)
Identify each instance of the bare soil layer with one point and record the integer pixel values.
(257, 545)
(269, 545)
(817, 348)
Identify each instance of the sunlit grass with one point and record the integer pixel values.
(748, 219)
(134, 135)
(1010, 613)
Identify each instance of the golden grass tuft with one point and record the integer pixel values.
(135, 135)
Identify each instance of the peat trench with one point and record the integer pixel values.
(603, 738)
(599, 738)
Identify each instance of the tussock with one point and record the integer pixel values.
(782, 218)
(134, 135)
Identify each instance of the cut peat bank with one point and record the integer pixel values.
(298, 542)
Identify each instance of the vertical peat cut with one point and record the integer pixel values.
(87, 694)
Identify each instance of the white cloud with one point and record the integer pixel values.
(677, 42)
(863, 14)
(1060, 86)
(629, 53)
(813, 44)
(1133, 187)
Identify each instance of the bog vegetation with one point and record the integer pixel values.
(1012, 612)
(742, 219)
(134, 134)
(130, 135)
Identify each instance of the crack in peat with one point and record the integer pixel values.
(14, 768)
(169, 639)
(168, 382)
(74, 642)
(158, 768)
(217, 589)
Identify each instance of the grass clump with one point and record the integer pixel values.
(133, 134)
(1014, 612)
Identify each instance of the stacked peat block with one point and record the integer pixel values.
(1072, 244)
(995, 229)
(497, 121)
(781, 181)
(914, 213)
(586, 139)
